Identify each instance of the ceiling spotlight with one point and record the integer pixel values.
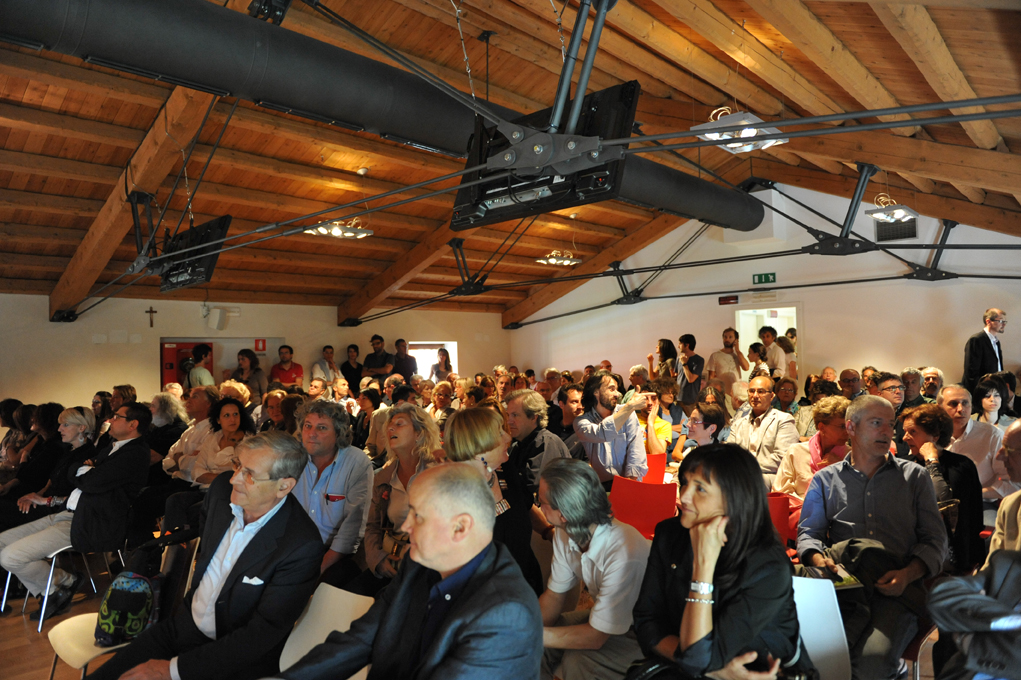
(340, 230)
(362, 172)
(889, 211)
(573, 216)
(564, 259)
(723, 118)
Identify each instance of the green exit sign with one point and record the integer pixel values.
(764, 278)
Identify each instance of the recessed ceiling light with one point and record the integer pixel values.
(363, 171)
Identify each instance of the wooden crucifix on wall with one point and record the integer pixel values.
(150, 312)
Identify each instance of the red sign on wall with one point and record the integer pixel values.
(260, 345)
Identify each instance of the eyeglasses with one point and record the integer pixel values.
(96, 402)
(246, 474)
(117, 415)
(760, 391)
(787, 390)
(892, 388)
(692, 421)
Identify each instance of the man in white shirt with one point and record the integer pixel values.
(608, 558)
(554, 379)
(258, 568)
(726, 364)
(978, 441)
(325, 368)
(764, 431)
(775, 358)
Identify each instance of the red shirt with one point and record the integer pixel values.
(294, 374)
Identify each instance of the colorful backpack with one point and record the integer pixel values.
(129, 606)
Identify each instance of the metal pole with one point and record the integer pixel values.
(865, 170)
(948, 225)
(564, 86)
(586, 67)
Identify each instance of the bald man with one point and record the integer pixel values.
(459, 606)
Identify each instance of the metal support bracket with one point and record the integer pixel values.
(350, 322)
(865, 171)
(628, 297)
(270, 11)
(923, 273)
(471, 284)
(532, 150)
(948, 225)
(836, 245)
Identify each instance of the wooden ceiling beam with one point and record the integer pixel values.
(932, 205)
(913, 28)
(626, 247)
(648, 31)
(972, 4)
(406, 268)
(49, 203)
(317, 175)
(63, 168)
(510, 38)
(810, 35)
(446, 306)
(489, 235)
(740, 45)
(990, 170)
(617, 55)
(180, 119)
(62, 125)
(427, 290)
(81, 79)
(829, 166)
(332, 139)
(451, 276)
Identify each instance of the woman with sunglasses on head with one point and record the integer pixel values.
(717, 599)
(413, 444)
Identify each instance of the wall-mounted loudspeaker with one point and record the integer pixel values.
(217, 319)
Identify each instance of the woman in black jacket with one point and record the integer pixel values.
(74, 428)
(37, 466)
(718, 587)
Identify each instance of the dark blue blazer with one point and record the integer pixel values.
(492, 631)
(980, 358)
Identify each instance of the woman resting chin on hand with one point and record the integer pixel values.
(718, 599)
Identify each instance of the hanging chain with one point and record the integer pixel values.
(560, 27)
(464, 49)
(184, 170)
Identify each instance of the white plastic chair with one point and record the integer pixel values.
(329, 609)
(74, 641)
(822, 629)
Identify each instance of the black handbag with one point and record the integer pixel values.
(656, 668)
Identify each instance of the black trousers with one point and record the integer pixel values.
(177, 635)
(165, 640)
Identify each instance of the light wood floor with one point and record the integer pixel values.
(26, 654)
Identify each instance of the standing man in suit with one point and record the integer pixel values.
(257, 568)
(94, 516)
(458, 609)
(982, 353)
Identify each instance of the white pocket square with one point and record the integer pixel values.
(256, 581)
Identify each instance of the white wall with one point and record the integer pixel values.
(889, 324)
(43, 361)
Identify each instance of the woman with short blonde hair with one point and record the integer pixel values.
(476, 436)
(827, 446)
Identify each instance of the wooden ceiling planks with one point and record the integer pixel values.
(274, 166)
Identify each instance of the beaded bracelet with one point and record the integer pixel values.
(698, 600)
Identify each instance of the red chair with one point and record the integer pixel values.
(779, 512)
(641, 505)
(657, 468)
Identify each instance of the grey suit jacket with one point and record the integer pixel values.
(974, 604)
(492, 631)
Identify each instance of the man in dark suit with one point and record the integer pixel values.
(982, 613)
(458, 609)
(257, 568)
(95, 513)
(982, 353)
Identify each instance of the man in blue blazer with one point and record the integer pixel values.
(459, 608)
(983, 353)
(258, 564)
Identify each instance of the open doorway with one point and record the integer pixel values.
(425, 355)
(749, 321)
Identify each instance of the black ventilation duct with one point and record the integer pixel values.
(201, 45)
